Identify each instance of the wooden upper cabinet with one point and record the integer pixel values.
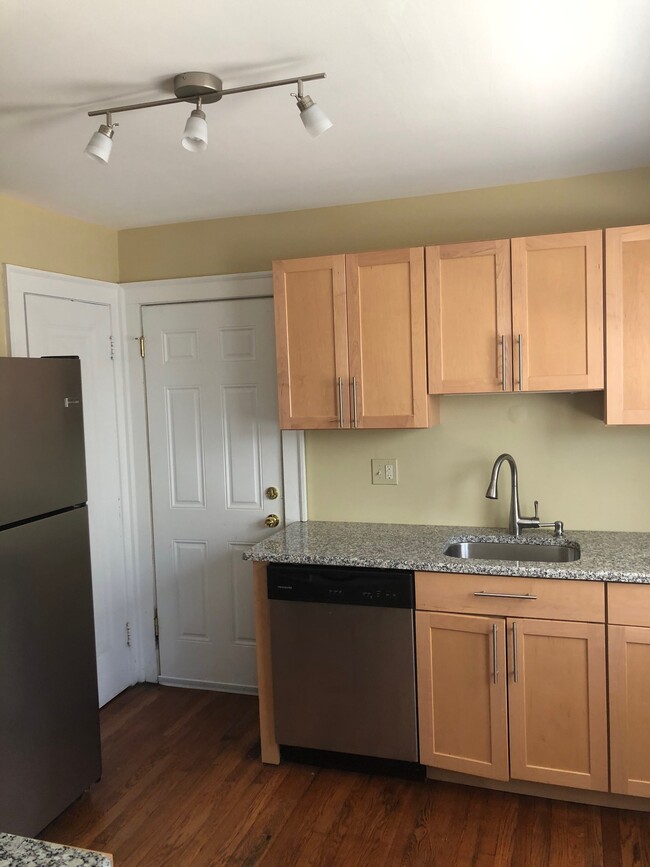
(311, 342)
(387, 339)
(628, 325)
(351, 341)
(557, 312)
(469, 318)
(525, 314)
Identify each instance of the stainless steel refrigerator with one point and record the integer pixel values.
(49, 720)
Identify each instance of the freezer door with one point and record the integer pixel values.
(42, 463)
(49, 718)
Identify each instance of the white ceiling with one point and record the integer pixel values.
(426, 96)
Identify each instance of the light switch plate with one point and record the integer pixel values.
(384, 471)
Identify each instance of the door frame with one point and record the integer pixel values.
(133, 297)
(21, 282)
(126, 302)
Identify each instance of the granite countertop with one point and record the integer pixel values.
(25, 852)
(604, 556)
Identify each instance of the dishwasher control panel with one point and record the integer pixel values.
(383, 588)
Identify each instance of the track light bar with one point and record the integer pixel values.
(202, 88)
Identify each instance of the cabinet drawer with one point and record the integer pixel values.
(545, 598)
(628, 604)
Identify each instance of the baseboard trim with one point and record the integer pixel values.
(242, 689)
(543, 790)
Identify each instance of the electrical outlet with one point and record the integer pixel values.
(384, 471)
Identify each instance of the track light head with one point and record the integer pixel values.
(195, 135)
(101, 142)
(313, 117)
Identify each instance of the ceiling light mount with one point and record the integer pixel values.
(189, 85)
(203, 88)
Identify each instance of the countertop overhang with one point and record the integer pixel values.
(605, 556)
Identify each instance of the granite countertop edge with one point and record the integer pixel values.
(605, 556)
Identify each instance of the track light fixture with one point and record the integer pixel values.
(202, 88)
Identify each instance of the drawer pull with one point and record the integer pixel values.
(505, 595)
(515, 656)
(495, 670)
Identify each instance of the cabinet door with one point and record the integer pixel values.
(629, 709)
(557, 312)
(557, 703)
(469, 325)
(311, 342)
(628, 325)
(387, 340)
(462, 682)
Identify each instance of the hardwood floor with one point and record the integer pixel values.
(183, 785)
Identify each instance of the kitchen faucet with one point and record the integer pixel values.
(517, 522)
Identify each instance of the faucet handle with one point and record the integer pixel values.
(537, 509)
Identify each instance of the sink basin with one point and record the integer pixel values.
(513, 551)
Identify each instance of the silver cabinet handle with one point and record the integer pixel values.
(340, 386)
(503, 362)
(355, 420)
(521, 363)
(485, 593)
(515, 660)
(495, 670)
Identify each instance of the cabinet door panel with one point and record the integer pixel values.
(629, 707)
(557, 311)
(628, 325)
(311, 342)
(557, 703)
(387, 341)
(469, 317)
(461, 699)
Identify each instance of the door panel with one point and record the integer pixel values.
(215, 449)
(469, 323)
(557, 312)
(557, 703)
(59, 326)
(462, 683)
(312, 342)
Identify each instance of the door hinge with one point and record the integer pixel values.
(112, 345)
(128, 634)
(142, 346)
(156, 625)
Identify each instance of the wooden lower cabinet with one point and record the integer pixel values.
(629, 708)
(557, 703)
(462, 701)
(541, 701)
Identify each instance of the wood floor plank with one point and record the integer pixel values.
(183, 786)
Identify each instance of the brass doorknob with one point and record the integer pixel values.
(272, 521)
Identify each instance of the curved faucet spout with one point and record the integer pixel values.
(492, 493)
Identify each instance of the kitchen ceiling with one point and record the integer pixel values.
(426, 96)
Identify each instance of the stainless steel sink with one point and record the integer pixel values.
(513, 551)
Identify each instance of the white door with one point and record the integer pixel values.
(215, 451)
(60, 326)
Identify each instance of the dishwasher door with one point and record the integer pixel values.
(344, 678)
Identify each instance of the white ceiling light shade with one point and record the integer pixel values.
(101, 142)
(195, 135)
(313, 117)
(201, 88)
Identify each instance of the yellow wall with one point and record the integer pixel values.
(251, 243)
(586, 474)
(36, 238)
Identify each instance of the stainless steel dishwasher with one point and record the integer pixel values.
(343, 659)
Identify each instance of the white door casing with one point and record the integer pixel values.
(215, 449)
(62, 324)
